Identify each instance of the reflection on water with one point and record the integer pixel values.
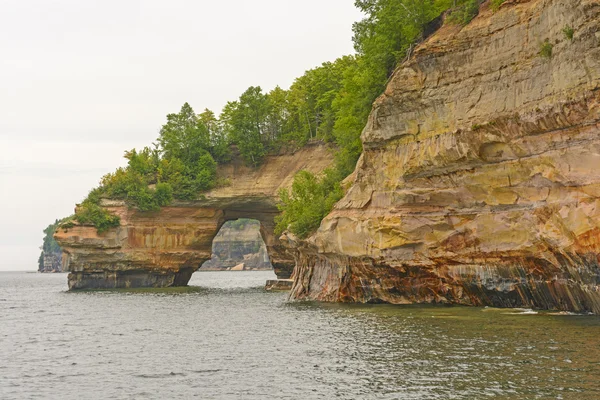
(226, 338)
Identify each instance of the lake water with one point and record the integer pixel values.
(226, 338)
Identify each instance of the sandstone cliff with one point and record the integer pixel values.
(480, 178)
(164, 248)
(50, 262)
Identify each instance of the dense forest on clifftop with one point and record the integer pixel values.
(329, 103)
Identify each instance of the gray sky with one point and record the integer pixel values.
(83, 80)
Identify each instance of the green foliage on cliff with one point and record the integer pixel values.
(246, 121)
(464, 12)
(309, 201)
(180, 166)
(260, 123)
(546, 49)
(495, 4)
(93, 214)
(569, 32)
(49, 244)
(89, 212)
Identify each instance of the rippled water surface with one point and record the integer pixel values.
(226, 338)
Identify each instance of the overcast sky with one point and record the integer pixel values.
(83, 80)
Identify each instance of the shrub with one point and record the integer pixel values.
(546, 49)
(465, 13)
(163, 194)
(569, 32)
(92, 214)
(68, 224)
(143, 199)
(495, 4)
(310, 200)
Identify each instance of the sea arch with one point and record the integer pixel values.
(164, 248)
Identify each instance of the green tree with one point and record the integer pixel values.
(185, 142)
(309, 201)
(49, 244)
(219, 143)
(246, 121)
(180, 166)
(311, 111)
(277, 115)
(184, 136)
(465, 10)
(382, 39)
(143, 162)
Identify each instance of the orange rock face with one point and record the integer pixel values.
(480, 179)
(164, 248)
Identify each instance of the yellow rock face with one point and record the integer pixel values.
(479, 183)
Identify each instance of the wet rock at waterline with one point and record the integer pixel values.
(279, 285)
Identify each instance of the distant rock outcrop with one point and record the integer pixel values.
(238, 243)
(51, 257)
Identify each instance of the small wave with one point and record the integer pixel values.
(568, 314)
(160, 376)
(522, 311)
(206, 371)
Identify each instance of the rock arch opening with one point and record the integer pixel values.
(263, 211)
(239, 246)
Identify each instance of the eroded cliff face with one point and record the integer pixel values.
(480, 178)
(164, 248)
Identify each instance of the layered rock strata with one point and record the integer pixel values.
(164, 248)
(279, 285)
(480, 178)
(50, 262)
